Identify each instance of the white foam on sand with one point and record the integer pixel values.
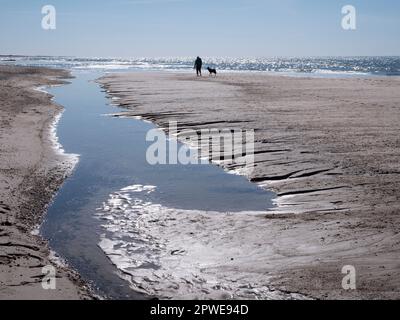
(69, 160)
(183, 254)
(57, 260)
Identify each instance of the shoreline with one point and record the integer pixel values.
(327, 214)
(33, 169)
(289, 253)
(120, 89)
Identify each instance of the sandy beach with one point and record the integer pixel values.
(329, 148)
(200, 158)
(32, 170)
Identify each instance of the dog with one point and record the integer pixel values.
(212, 71)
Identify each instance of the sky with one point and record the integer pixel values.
(171, 28)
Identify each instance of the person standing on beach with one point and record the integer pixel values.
(197, 65)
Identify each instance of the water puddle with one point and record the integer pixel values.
(94, 221)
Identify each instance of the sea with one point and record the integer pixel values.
(293, 66)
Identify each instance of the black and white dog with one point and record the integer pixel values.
(212, 71)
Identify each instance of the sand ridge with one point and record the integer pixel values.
(329, 148)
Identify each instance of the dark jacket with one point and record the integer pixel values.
(198, 63)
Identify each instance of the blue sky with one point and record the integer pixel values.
(257, 28)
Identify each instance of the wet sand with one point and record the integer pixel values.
(329, 148)
(31, 171)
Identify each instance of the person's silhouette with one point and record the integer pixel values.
(197, 65)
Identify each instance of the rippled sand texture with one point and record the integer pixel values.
(147, 243)
(328, 147)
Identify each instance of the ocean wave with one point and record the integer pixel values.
(288, 65)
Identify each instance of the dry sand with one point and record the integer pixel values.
(329, 148)
(31, 171)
